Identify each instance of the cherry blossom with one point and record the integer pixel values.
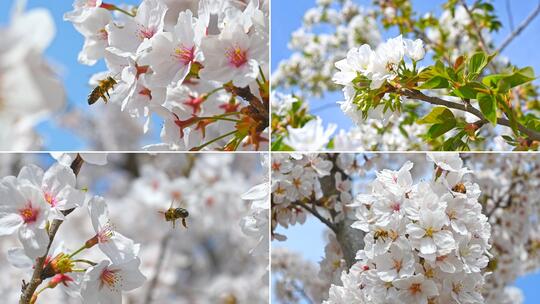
(200, 66)
(104, 282)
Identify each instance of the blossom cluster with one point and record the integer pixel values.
(462, 234)
(289, 268)
(510, 193)
(379, 65)
(210, 263)
(352, 31)
(186, 62)
(34, 204)
(314, 51)
(29, 89)
(424, 242)
(296, 187)
(313, 135)
(375, 67)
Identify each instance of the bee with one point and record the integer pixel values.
(460, 188)
(174, 214)
(380, 233)
(102, 90)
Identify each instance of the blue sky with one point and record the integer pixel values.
(287, 16)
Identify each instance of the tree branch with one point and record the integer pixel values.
(415, 94)
(157, 269)
(478, 32)
(165, 241)
(519, 29)
(316, 213)
(29, 289)
(509, 13)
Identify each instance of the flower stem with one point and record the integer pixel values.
(262, 74)
(214, 140)
(77, 251)
(218, 118)
(85, 261)
(116, 8)
(214, 91)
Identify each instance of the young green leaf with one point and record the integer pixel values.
(437, 82)
(437, 115)
(477, 63)
(488, 107)
(439, 129)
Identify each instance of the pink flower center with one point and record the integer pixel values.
(184, 54)
(141, 70)
(50, 199)
(29, 214)
(105, 234)
(195, 103)
(146, 92)
(237, 56)
(62, 278)
(396, 207)
(146, 32)
(110, 278)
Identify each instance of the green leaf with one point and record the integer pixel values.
(509, 113)
(467, 91)
(520, 77)
(504, 82)
(488, 106)
(508, 138)
(436, 82)
(437, 115)
(439, 129)
(443, 120)
(477, 63)
(454, 143)
(276, 145)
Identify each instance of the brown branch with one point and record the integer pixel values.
(28, 289)
(478, 32)
(519, 29)
(316, 213)
(498, 203)
(415, 94)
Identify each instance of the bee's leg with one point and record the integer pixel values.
(184, 222)
(173, 224)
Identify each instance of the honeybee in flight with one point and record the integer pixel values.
(174, 214)
(102, 90)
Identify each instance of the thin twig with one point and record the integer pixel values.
(163, 247)
(324, 107)
(478, 31)
(29, 289)
(519, 29)
(414, 94)
(509, 13)
(317, 215)
(301, 291)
